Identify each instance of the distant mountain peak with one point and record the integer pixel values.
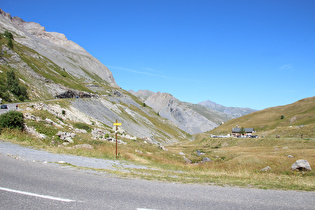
(234, 111)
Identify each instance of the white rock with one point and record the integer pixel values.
(266, 169)
(301, 165)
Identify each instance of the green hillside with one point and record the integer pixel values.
(291, 120)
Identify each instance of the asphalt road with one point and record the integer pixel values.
(10, 107)
(35, 185)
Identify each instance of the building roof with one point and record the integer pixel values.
(238, 130)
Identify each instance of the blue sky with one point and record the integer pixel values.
(240, 53)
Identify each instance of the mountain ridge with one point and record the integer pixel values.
(234, 111)
(56, 47)
(89, 96)
(193, 118)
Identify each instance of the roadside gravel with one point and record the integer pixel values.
(29, 154)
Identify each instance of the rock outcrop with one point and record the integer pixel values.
(180, 113)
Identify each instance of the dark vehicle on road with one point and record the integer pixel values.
(3, 106)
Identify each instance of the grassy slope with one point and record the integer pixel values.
(268, 122)
(43, 66)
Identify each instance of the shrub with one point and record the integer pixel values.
(21, 98)
(8, 35)
(14, 87)
(63, 73)
(10, 44)
(12, 120)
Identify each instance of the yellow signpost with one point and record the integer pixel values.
(116, 124)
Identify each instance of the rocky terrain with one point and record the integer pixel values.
(192, 118)
(57, 48)
(189, 117)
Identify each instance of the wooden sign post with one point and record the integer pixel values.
(116, 124)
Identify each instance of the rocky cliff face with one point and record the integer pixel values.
(180, 113)
(56, 47)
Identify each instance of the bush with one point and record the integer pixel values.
(12, 120)
(14, 87)
(10, 44)
(8, 35)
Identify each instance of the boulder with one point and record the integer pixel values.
(33, 132)
(65, 136)
(301, 165)
(69, 139)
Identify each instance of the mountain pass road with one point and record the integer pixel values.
(26, 184)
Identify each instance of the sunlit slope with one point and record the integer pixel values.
(293, 120)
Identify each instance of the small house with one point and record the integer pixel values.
(247, 131)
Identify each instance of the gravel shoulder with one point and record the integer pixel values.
(33, 155)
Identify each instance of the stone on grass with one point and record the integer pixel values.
(266, 169)
(200, 153)
(301, 165)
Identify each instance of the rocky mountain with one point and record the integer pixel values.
(54, 46)
(233, 111)
(49, 66)
(192, 118)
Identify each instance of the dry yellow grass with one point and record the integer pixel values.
(235, 162)
(268, 122)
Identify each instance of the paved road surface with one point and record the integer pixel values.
(36, 185)
(10, 107)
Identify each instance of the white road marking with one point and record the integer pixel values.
(37, 195)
